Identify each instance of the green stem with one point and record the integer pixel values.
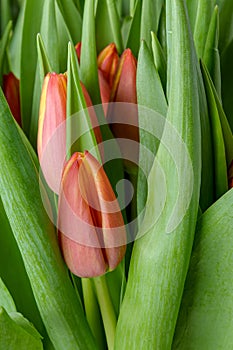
(107, 309)
(92, 312)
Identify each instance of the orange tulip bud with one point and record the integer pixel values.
(91, 229)
(108, 61)
(52, 109)
(11, 92)
(105, 91)
(124, 90)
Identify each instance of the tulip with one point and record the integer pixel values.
(107, 62)
(52, 111)
(91, 229)
(123, 118)
(11, 92)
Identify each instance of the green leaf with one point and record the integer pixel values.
(5, 15)
(80, 134)
(205, 317)
(207, 193)
(3, 48)
(161, 34)
(13, 336)
(14, 275)
(72, 19)
(152, 97)
(133, 41)
(225, 23)
(108, 28)
(227, 78)
(88, 60)
(6, 300)
(59, 307)
(49, 34)
(43, 67)
(16, 43)
(211, 56)
(220, 164)
(162, 251)
(204, 12)
(159, 60)
(149, 20)
(31, 26)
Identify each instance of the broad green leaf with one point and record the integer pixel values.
(43, 67)
(226, 130)
(64, 37)
(125, 28)
(79, 130)
(13, 336)
(205, 317)
(125, 8)
(31, 26)
(43, 60)
(16, 43)
(227, 78)
(133, 41)
(207, 193)
(159, 60)
(161, 254)
(72, 19)
(5, 15)
(108, 26)
(149, 20)
(88, 60)
(6, 300)
(192, 6)
(49, 34)
(161, 34)
(211, 56)
(14, 275)
(151, 100)
(204, 12)
(225, 23)
(219, 154)
(59, 307)
(3, 48)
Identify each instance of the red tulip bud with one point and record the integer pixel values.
(91, 229)
(124, 90)
(11, 92)
(108, 61)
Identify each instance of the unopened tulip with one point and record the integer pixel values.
(11, 92)
(52, 109)
(91, 229)
(108, 61)
(124, 90)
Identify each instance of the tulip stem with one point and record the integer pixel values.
(92, 312)
(107, 309)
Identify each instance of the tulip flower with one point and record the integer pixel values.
(107, 62)
(52, 108)
(11, 92)
(91, 229)
(124, 90)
